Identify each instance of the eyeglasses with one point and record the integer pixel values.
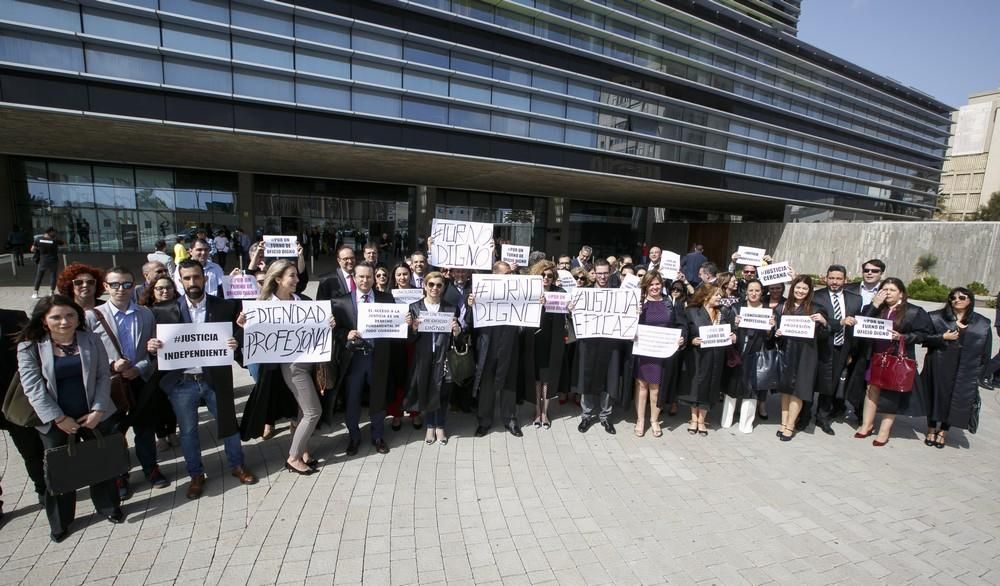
(126, 285)
(162, 289)
(581, 278)
(381, 276)
(960, 298)
(548, 276)
(872, 270)
(603, 274)
(84, 282)
(435, 285)
(347, 258)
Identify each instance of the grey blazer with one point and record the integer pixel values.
(42, 393)
(147, 330)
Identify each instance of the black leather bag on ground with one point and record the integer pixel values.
(461, 362)
(762, 370)
(80, 464)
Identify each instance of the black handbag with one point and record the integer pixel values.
(977, 404)
(461, 363)
(763, 370)
(80, 464)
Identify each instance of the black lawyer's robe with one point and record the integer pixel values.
(952, 367)
(430, 353)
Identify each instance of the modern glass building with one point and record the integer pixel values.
(561, 121)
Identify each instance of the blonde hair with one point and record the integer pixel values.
(275, 271)
(542, 266)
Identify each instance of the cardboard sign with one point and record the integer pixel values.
(286, 332)
(797, 326)
(656, 342)
(630, 282)
(189, 345)
(382, 320)
(435, 322)
(407, 296)
(240, 287)
(566, 280)
(555, 302)
(715, 336)
(755, 318)
(280, 247)
(515, 255)
(507, 300)
(747, 255)
(778, 272)
(670, 265)
(605, 313)
(873, 327)
(461, 245)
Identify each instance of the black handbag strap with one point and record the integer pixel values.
(111, 333)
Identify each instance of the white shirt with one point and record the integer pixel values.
(198, 314)
(213, 278)
(867, 294)
(359, 297)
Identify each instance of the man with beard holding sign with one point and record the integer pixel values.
(213, 384)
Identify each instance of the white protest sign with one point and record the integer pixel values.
(407, 296)
(507, 300)
(630, 282)
(778, 272)
(555, 302)
(382, 320)
(286, 332)
(872, 327)
(435, 322)
(279, 246)
(461, 245)
(748, 255)
(566, 280)
(656, 342)
(605, 313)
(189, 345)
(715, 336)
(240, 287)
(670, 265)
(797, 326)
(518, 255)
(755, 318)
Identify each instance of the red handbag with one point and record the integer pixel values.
(892, 370)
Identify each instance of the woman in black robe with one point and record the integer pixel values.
(798, 380)
(430, 381)
(549, 348)
(749, 342)
(704, 365)
(957, 350)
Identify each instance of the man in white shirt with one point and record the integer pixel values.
(213, 273)
(418, 264)
(872, 272)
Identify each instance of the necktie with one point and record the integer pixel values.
(365, 298)
(125, 340)
(838, 314)
(419, 280)
(350, 283)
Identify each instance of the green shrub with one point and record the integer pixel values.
(927, 289)
(978, 289)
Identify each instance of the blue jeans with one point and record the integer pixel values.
(185, 398)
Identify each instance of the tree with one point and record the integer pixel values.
(991, 211)
(924, 265)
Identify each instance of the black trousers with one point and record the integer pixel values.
(487, 401)
(41, 269)
(29, 445)
(61, 508)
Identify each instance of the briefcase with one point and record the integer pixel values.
(80, 464)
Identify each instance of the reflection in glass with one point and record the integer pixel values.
(196, 74)
(42, 51)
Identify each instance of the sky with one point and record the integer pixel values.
(948, 49)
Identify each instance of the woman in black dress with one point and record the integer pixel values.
(957, 351)
(651, 372)
(704, 365)
(550, 364)
(749, 342)
(798, 381)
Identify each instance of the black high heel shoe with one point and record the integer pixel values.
(305, 472)
(312, 463)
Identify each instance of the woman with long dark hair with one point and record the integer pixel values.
(957, 351)
(548, 348)
(749, 342)
(912, 325)
(798, 380)
(704, 365)
(401, 353)
(652, 373)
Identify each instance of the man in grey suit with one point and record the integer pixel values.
(124, 328)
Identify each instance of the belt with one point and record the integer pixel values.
(193, 377)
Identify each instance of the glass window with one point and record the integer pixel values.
(419, 81)
(256, 18)
(377, 44)
(376, 103)
(546, 130)
(548, 106)
(513, 20)
(113, 176)
(545, 81)
(508, 124)
(58, 15)
(254, 51)
(469, 64)
(64, 195)
(103, 60)
(324, 95)
(475, 92)
(263, 85)
(511, 99)
(187, 199)
(581, 113)
(511, 73)
(195, 40)
(319, 31)
(425, 54)
(474, 9)
(154, 178)
(118, 25)
(70, 173)
(376, 73)
(115, 197)
(581, 137)
(322, 63)
(216, 10)
(583, 90)
(469, 118)
(41, 50)
(196, 74)
(425, 110)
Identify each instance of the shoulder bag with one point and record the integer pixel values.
(892, 370)
(762, 370)
(16, 406)
(461, 363)
(121, 389)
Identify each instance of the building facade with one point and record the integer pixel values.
(971, 171)
(561, 122)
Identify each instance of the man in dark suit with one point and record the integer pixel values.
(872, 272)
(692, 262)
(342, 282)
(418, 268)
(584, 258)
(361, 362)
(456, 293)
(186, 388)
(26, 439)
(841, 305)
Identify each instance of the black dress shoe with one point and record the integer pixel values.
(585, 424)
(352, 447)
(396, 426)
(59, 537)
(802, 423)
(380, 446)
(117, 516)
(986, 383)
(514, 429)
(482, 430)
(825, 426)
(608, 427)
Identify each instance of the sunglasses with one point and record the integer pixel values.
(163, 288)
(84, 282)
(435, 285)
(960, 298)
(126, 285)
(872, 270)
(581, 278)
(548, 276)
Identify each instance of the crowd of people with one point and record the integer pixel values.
(109, 317)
